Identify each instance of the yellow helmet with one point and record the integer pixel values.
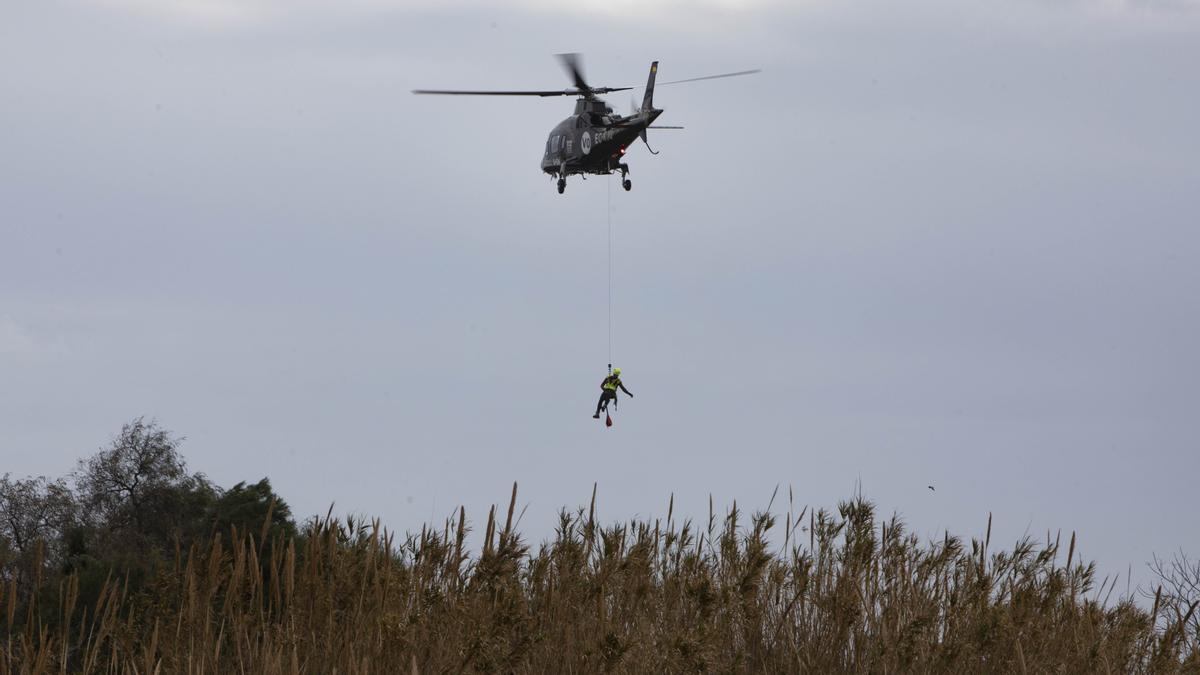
(616, 371)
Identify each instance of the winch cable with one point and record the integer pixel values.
(608, 212)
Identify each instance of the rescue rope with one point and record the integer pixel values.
(608, 211)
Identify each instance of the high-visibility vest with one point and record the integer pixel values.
(610, 383)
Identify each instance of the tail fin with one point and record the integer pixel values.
(648, 99)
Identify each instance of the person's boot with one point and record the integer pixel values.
(596, 416)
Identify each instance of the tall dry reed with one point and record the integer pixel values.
(846, 592)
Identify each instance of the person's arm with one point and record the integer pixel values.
(622, 386)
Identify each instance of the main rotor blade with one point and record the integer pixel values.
(571, 63)
(459, 92)
(712, 77)
(553, 92)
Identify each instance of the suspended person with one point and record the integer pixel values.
(608, 391)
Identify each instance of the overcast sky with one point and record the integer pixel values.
(948, 243)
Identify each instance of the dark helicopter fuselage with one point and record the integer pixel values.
(594, 139)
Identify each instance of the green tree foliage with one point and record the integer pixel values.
(254, 509)
(125, 514)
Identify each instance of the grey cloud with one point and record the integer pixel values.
(941, 243)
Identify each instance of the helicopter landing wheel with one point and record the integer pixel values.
(562, 185)
(627, 184)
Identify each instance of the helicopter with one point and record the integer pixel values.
(594, 139)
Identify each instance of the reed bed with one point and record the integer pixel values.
(845, 591)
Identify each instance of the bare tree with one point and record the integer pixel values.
(34, 512)
(139, 484)
(116, 484)
(1178, 597)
